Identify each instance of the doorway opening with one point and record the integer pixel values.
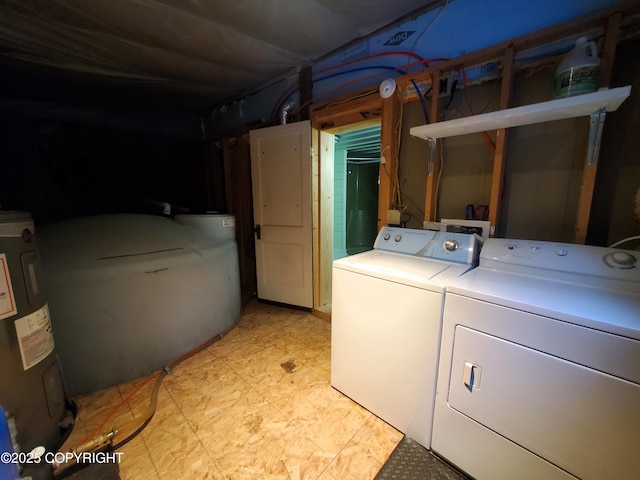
(356, 184)
(347, 213)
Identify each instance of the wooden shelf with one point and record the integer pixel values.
(578, 106)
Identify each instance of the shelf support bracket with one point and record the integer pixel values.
(432, 151)
(595, 135)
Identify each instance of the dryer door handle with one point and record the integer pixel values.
(471, 374)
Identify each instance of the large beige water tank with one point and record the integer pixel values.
(131, 292)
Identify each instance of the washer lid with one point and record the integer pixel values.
(607, 309)
(418, 272)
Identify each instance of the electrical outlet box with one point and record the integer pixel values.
(446, 83)
(393, 217)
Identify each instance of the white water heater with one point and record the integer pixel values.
(31, 387)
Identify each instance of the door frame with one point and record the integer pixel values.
(329, 120)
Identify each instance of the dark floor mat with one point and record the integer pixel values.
(411, 461)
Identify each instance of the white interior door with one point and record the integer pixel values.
(281, 176)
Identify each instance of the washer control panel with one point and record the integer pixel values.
(561, 257)
(454, 247)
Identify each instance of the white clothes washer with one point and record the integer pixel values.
(386, 319)
(539, 374)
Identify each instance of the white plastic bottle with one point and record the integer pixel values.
(578, 70)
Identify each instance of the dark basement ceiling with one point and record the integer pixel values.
(173, 53)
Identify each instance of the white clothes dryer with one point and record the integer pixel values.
(386, 319)
(539, 374)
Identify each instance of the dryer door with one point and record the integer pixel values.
(582, 420)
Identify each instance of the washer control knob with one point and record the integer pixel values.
(620, 260)
(397, 238)
(451, 245)
(387, 236)
(563, 252)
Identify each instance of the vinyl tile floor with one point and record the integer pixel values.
(257, 404)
